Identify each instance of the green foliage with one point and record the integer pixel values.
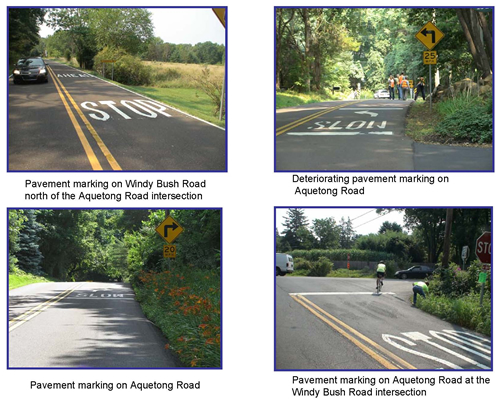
(28, 253)
(405, 248)
(127, 69)
(20, 278)
(321, 267)
(203, 52)
(67, 55)
(317, 48)
(341, 255)
(301, 264)
(16, 223)
(23, 31)
(465, 312)
(351, 273)
(466, 121)
(213, 87)
(290, 98)
(455, 296)
(455, 282)
(184, 302)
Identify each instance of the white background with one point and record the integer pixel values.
(247, 194)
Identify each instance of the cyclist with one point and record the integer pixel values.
(380, 273)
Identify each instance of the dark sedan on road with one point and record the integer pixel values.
(417, 271)
(30, 70)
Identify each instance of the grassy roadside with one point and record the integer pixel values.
(185, 304)
(21, 278)
(462, 120)
(291, 99)
(421, 123)
(187, 99)
(464, 311)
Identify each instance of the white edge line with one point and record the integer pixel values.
(338, 293)
(369, 109)
(144, 96)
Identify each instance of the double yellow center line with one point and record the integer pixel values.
(94, 162)
(382, 355)
(35, 311)
(294, 124)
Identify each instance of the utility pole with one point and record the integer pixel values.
(447, 237)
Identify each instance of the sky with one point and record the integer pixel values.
(180, 25)
(364, 221)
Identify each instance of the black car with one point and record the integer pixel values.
(31, 70)
(417, 271)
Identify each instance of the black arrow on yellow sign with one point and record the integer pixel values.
(172, 226)
(426, 31)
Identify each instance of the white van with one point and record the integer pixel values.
(284, 264)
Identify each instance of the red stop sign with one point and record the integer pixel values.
(483, 248)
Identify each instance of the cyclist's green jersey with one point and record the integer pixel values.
(381, 268)
(423, 285)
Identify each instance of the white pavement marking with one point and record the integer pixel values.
(144, 96)
(389, 339)
(338, 293)
(418, 336)
(368, 108)
(469, 334)
(367, 113)
(337, 133)
(447, 337)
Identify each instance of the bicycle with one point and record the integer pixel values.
(379, 284)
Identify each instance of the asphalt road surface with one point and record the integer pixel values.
(363, 135)
(82, 325)
(79, 122)
(339, 323)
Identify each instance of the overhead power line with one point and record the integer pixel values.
(371, 220)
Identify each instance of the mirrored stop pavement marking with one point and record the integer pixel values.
(334, 128)
(95, 294)
(460, 339)
(35, 311)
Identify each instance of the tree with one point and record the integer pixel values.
(16, 224)
(24, 26)
(127, 28)
(294, 220)
(347, 233)
(28, 252)
(327, 233)
(429, 224)
(388, 226)
(475, 27)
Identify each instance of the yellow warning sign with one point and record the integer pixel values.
(169, 229)
(221, 15)
(429, 35)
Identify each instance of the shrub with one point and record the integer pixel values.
(300, 264)
(67, 55)
(185, 304)
(322, 267)
(465, 311)
(341, 255)
(127, 69)
(473, 124)
(456, 282)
